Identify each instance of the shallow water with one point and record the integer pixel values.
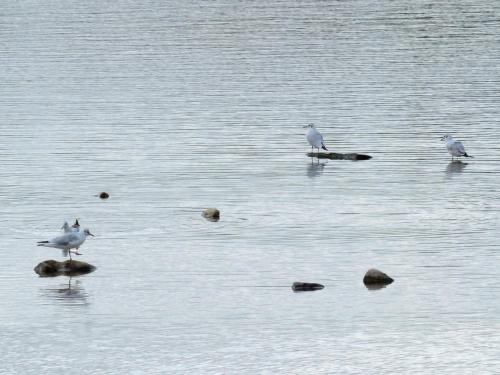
(175, 106)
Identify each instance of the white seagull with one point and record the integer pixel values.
(314, 138)
(74, 228)
(455, 148)
(68, 241)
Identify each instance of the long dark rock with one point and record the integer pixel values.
(337, 156)
(51, 268)
(375, 279)
(300, 286)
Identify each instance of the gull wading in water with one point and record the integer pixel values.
(455, 148)
(68, 241)
(314, 138)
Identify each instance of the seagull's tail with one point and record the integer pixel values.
(42, 243)
(323, 147)
(468, 156)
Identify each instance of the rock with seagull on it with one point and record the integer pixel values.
(338, 156)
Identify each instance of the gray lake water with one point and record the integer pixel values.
(174, 106)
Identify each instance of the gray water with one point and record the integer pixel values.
(174, 106)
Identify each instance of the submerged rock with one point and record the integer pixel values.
(51, 268)
(375, 279)
(300, 286)
(337, 156)
(104, 195)
(212, 214)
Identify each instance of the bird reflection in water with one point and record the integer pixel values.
(455, 167)
(315, 168)
(71, 293)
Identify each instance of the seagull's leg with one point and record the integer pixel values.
(69, 252)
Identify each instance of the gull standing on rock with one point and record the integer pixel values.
(314, 138)
(68, 241)
(455, 148)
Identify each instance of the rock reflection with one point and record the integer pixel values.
(315, 169)
(376, 286)
(455, 167)
(71, 293)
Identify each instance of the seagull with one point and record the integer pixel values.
(74, 228)
(314, 138)
(68, 241)
(455, 148)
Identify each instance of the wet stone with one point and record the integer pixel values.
(104, 195)
(212, 214)
(300, 286)
(51, 268)
(375, 279)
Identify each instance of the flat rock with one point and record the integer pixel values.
(212, 214)
(300, 286)
(338, 156)
(376, 279)
(51, 268)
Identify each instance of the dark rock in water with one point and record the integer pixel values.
(104, 195)
(337, 156)
(212, 214)
(375, 279)
(299, 286)
(51, 268)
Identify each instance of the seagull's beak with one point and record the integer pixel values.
(90, 234)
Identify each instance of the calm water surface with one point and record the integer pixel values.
(173, 106)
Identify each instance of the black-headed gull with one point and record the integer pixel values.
(68, 241)
(74, 228)
(455, 148)
(314, 138)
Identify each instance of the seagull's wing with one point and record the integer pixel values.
(459, 147)
(64, 240)
(320, 137)
(316, 138)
